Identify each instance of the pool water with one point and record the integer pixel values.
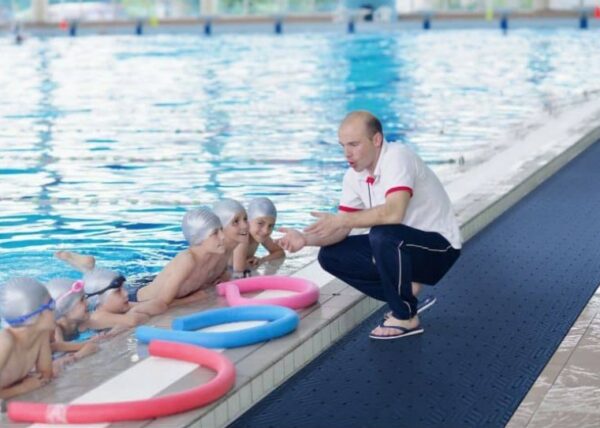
(105, 141)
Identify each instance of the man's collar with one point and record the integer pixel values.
(364, 175)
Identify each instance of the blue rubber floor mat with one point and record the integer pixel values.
(501, 313)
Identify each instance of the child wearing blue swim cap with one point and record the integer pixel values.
(27, 312)
(262, 216)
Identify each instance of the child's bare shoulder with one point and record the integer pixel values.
(6, 338)
(180, 261)
(184, 257)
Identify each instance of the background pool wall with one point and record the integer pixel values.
(308, 22)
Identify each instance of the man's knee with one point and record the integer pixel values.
(327, 257)
(384, 235)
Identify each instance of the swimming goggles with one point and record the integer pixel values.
(114, 284)
(21, 320)
(76, 287)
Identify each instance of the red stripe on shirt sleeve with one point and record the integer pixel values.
(348, 209)
(400, 189)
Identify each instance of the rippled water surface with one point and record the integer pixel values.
(106, 141)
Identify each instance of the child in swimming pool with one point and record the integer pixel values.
(262, 215)
(70, 313)
(107, 301)
(184, 279)
(234, 219)
(25, 355)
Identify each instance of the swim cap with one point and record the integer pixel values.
(97, 282)
(227, 209)
(61, 290)
(22, 299)
(198, 224)
(261, 207)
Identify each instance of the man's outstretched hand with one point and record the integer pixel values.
(325, 226)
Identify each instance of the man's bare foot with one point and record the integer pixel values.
(392, 321)
(78, 261)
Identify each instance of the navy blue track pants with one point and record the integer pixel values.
(384, 263)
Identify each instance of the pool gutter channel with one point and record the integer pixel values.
(480, 195)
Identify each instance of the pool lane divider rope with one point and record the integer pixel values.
(19, 411)
(281, 321)
(306, 292)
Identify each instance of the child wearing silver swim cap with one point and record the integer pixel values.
(262, 216)
(107, 301)
(235, 228)
(182, 280)
(198, 224)
(106, 295)
(27, 311)
(71, 312)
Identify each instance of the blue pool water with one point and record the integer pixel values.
(105, 141)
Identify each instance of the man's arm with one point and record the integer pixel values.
(391, 212)
(294, 240)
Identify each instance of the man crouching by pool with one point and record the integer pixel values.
(414, 237)
(185, 278)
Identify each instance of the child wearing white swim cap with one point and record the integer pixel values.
(235, 229)
(71, 312)
(262, 216)
(27, 311)
(106, 298)
(183, 279)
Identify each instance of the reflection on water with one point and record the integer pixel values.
(105, 141)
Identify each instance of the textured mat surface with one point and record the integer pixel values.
(501, 313)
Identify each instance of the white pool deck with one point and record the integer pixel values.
(566, 394)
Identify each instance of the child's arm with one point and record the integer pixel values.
(275, 251)
(7, 342)
(150, 307)
(81, 349)
(224, 277)
(194, 297)
(44, 362)
(76, 352)
(99, 320)
(240, 257)
(88, 348)
(58, 335)
(201, 294)
(66, 346)
(31, 382)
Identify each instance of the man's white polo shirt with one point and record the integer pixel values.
(401, 170)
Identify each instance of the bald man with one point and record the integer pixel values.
(414, 237)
